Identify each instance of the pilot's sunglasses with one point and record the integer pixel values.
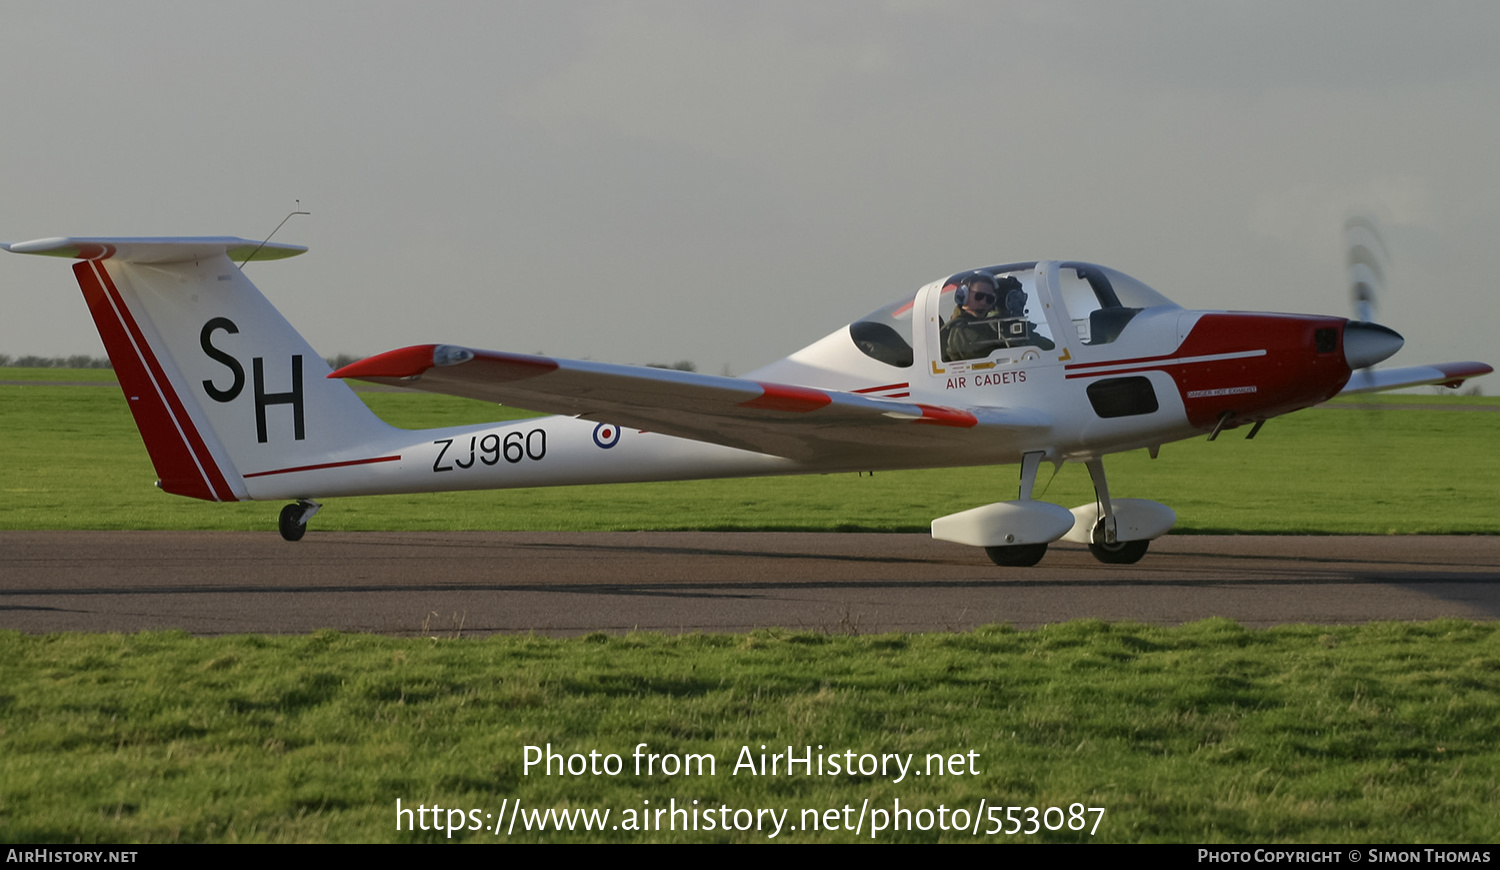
(981, 296)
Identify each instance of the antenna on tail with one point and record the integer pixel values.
(296, 211)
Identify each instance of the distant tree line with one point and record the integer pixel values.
(77, 361)
(83, 361)
(343, 359)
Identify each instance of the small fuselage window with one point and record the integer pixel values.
(885, 335)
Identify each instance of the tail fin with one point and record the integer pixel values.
(222, 388)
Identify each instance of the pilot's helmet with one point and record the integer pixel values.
(1015, 297)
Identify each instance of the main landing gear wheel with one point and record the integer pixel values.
(1018, 555)
(292, 526)
(1120, 553)
(1106, 551)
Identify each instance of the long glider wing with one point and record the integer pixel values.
(1443, 374)
(824, 427)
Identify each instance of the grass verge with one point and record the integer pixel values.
(1207, 732)
(73, 460)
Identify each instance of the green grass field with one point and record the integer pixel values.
(1205, 733)
(20, 374)
(74, 460)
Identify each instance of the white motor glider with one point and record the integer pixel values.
(1022, 363)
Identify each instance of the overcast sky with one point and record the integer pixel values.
(727, 182)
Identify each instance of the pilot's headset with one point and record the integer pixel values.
(1015, 298)
(961, 295)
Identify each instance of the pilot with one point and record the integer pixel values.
(971, 332)
(1015, 329)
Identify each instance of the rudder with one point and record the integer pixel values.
(222, 388)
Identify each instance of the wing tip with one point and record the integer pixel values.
(1449, 374)
(406, 362)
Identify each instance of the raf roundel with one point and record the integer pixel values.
(606, 435)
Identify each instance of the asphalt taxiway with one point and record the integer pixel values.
(450, 583)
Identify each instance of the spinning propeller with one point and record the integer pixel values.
(1365, 341)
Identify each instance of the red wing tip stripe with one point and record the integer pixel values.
(94, 251)
(780, 397)
(936, 415)
(1464, 369)
(409, 362)
(324, 465)
(404, 363)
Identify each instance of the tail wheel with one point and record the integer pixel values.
(1018, 555)
(1120, 553)
(291, 524)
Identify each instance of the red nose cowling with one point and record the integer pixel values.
(1277, 363)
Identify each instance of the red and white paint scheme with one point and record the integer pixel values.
(1070, 362)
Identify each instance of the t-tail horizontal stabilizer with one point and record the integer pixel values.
(224, 391)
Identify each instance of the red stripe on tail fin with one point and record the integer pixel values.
(178, 452)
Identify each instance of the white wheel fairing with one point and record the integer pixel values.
(1136, 519)
(1004, 524)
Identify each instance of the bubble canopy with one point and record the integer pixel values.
(1083, 288)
